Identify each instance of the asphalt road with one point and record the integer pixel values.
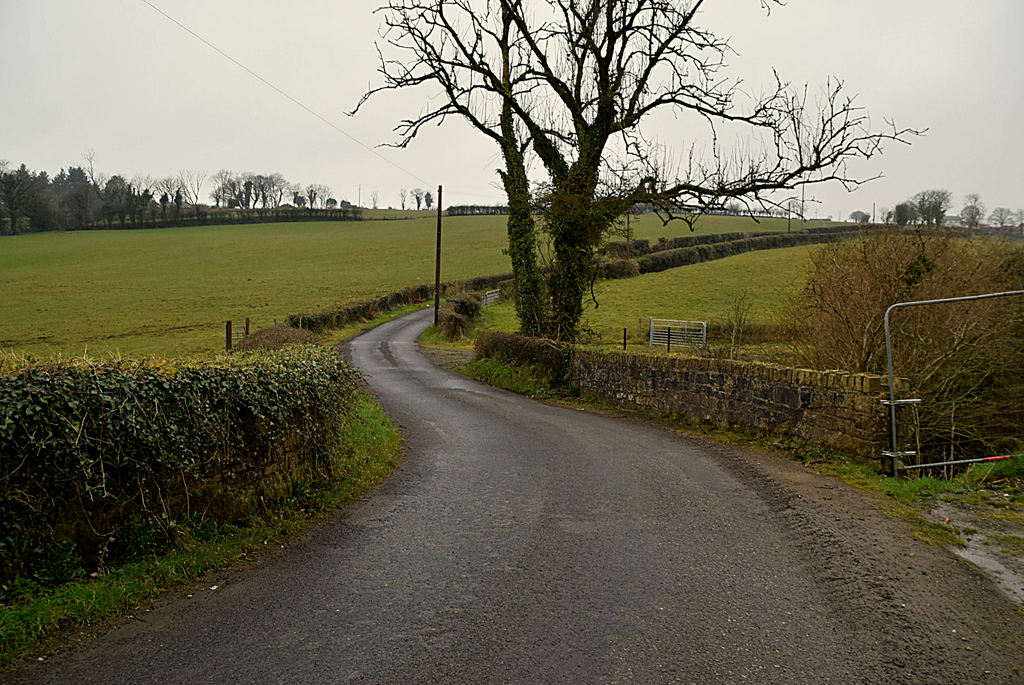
(519, 542)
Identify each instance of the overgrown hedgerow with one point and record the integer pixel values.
(98, 460)
(457, 315)
(552, 358)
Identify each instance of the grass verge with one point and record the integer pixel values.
(35, 620)
(518, 379)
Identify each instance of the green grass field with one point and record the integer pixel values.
(700, 292)
(169, 291)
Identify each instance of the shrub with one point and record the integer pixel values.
(274, 337)
(963, 360)
(456, 316)
(552, 358)
(95, 455)
(616, 269)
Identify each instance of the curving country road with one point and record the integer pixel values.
(528, 543)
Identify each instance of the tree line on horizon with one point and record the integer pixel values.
(931, 207)
(81, 197)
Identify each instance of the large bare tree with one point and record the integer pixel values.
(575, 80)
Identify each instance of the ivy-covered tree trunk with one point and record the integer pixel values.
(522, 230)
(522, 250)
(577, 223)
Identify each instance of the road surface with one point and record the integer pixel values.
(529, 543)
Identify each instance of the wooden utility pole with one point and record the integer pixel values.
(437, 268)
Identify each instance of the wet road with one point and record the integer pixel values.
(518, 542)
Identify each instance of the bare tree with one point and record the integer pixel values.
(219, 194)
(575, 80)
(312, 195)
(325, 192)
(167, 185)
(402, 194)
(417, 194)
(374, 198)
(1002, 216)
(277, 189)
(973, 211)
(97, 178)
(191, 182)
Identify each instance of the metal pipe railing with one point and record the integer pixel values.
(894, 454)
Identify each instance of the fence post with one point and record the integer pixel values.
(668, 340)
(623, 339)
(227, 336)
(247, 326)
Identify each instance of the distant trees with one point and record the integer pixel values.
(1002, 216)
(926, 208)
(428, 199)
(860, 217)
(417, 194)
(973, 211)
(81, 196)
(903, 214)
(931, 206)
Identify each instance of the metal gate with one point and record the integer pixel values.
(669, 332)
(895, 455)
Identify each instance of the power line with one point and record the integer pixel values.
(294, 100)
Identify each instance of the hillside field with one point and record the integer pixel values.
(169, 291)
(699, 292)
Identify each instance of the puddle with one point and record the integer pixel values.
(1001, 562)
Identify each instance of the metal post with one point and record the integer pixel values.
(888, 354)
(227, 337)
(668, 339)
(437, 267)
(623, 339)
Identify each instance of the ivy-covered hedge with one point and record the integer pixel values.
(94, 455)
(366, 310)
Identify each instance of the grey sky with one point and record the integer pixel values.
(116, 77)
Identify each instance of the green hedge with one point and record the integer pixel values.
(552, 358)
(366, 310)
(98, 460)
(669, 259)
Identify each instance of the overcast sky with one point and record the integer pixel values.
(118, 78)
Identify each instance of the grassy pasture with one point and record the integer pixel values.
(699, 292)
(169, 291)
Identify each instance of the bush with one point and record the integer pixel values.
(274, 337)
(963, 360)
(456, 316)
(552, 358)
(93, 456)
(616, 269)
